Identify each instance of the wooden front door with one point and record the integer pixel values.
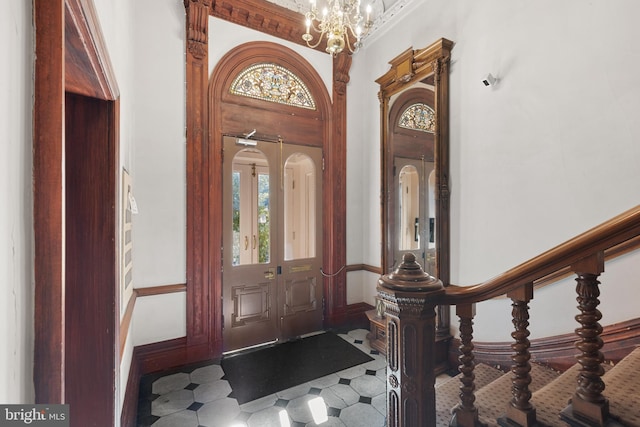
(272, 242)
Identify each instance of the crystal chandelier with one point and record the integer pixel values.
(340, 20)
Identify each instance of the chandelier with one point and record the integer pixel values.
(340, 21)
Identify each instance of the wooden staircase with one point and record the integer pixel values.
(528, 396)
(551, 393)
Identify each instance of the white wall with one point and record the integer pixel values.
(16, 201)
(549, 152)
(158, 167)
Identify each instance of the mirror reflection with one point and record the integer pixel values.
(409, 208)
(410, 147)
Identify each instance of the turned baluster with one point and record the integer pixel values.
(588, 403)
(465, 414)
(520, 411)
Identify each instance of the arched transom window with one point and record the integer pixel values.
(418, 117)
(273, 83)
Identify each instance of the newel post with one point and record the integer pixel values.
(408, 296)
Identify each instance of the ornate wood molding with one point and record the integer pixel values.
(200, 321)
(263, 16)
(197, 27)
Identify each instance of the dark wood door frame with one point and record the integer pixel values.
(71, 57)
(204, 322)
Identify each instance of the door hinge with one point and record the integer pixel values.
(223, 321)
(323, 163)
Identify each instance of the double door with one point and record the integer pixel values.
(272, 242)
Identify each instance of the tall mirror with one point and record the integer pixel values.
(414, 105)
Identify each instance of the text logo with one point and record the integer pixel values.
(34, 415)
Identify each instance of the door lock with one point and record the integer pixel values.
(270, 274)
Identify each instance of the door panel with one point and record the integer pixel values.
(249, 279)
(302, 233)
(272, 286)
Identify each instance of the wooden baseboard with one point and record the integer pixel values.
(129, 414)
(356, 315)
(558, 351)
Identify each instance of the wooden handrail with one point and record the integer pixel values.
(584, 256)
(610, 234)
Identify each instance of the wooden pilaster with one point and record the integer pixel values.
(335, 196)
(202, 322)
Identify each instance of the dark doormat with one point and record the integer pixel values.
(258, 373)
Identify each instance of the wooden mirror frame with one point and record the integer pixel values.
(407, 69)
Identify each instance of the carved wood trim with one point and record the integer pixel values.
(201, 324)
(263, 16)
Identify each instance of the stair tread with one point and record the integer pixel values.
(492, 399)
(552, 392)
(447, 393)
(622, 388)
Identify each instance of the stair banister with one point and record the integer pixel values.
(617, 230)
(584, 255)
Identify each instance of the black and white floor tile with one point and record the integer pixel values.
(198, 396)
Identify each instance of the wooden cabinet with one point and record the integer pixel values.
(377, 335)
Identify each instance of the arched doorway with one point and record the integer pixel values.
(238, 104)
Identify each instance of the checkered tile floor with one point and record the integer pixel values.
(199, 396)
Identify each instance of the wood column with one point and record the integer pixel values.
(335, 196)
(203, 314)
(48, 202)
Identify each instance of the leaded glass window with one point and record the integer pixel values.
(273, 83)
(418, 117)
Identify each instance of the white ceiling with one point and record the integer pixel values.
(383, 10)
